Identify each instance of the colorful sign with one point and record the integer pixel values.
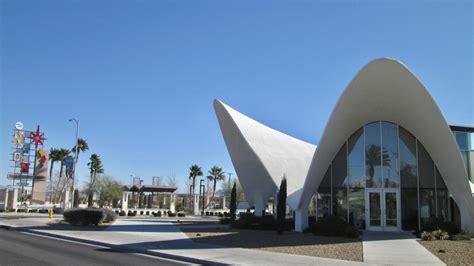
(18, 138)
(26, 148)
(24, 167)
(37, 137)
(17, 156)
(41, 169)
(19, 125)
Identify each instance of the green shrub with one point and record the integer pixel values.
(427, 236)
(181, 214)
(32, 210)
(130, 213)
(84, 216)
(460, 237)
(122, 213)
(21, 210)
(171, 214)
(334, 226)
(434, 235)
(157, 214)
(43, 211)
(109, 216)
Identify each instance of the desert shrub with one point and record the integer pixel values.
(207, 213)
(157, 214)
(181, 214)
(21, 210)
(117, 211)
(221, 214)
(147, 213)
(226, 214)
(438, 223)
(130, 213)
(84, 216)
(434, 235)
(42, 211)
(33, 210)
(109, 216)
(171, 214)
(141, 212)
(122, 213)
(333, 226)
(211, 213)
(250, 221)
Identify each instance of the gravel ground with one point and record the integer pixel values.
(288, 242)
(459, 252)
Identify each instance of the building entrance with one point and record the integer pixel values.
(382, 209)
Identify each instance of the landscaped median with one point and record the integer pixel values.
(259, 233)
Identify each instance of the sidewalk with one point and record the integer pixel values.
(164, 239)
(396, 248)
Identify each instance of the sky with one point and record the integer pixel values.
(141, 76)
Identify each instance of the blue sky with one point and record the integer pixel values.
(141, 75)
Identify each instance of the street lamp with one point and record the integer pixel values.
(201, 186)
(75, 158)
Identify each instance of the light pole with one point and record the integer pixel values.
(203, 187)
(75, 159)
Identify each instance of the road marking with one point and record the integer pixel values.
(105, 247)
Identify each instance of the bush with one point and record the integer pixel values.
(226, 214)
(437, 223)
(43, 211)
(460, 237)
(33, 210)
(250, 221)
(109, 216)
(21, 210)
(122, 213)
(334, 226)
(130, 213)
(147, 213)
(221, 214)
(141, 212)
(84, 216)
(434, 235)
(157, 214)
(171, 214)
(207, 213)
(181, 214)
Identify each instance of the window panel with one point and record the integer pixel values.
(373, 158)
(390, 155)
(339, 207)
(425, 168)
(355, 158)
(324, 203)
(408, 164)
(339, 169)
(409, 205)
(357, 207)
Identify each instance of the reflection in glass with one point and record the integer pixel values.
(442, 196)
(323, 203)
(427, 205)
(425, 168)
(390, 153)
(339, 207)
(339, 169)
(391, 209)
(357, 207)
(373, 158)
(355, 159)
(408, 165)
(374, 209)
(409, 208)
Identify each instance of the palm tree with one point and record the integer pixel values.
(95, 167)
(194, 171)
(83, 147)
(374, 157)
(62, 154)
(53, 157)
(215, 174)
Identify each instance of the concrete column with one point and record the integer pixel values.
(125, 201)
(173, 202)
(5, 205)
(13, 195)
(196, 204)
(301, 219)
(65, 203)
(259, 208)
(223, 202)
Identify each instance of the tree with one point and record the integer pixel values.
(281, 206)
(233, 202)
(53, 157)
(374, 157)
(62, 155)
(83, 147)
(194, 171)
(95, 167)
(215, 174)
(110, 191)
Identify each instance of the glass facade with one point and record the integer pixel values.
(383, 156)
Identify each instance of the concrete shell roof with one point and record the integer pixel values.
(262, 156)
(386, 90)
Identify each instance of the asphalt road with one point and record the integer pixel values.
(17, 248)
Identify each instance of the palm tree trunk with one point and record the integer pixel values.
(51, 182)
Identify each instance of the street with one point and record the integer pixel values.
(18, 248)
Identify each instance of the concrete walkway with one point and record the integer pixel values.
(386, 248)
(164, 239)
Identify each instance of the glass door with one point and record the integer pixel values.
(391, 202)
(382, 209)
(374, 209)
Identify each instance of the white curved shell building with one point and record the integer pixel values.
(387, 159)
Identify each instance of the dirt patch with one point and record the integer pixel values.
(288, 242)
(459, 252)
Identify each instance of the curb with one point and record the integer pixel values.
(115, 247)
